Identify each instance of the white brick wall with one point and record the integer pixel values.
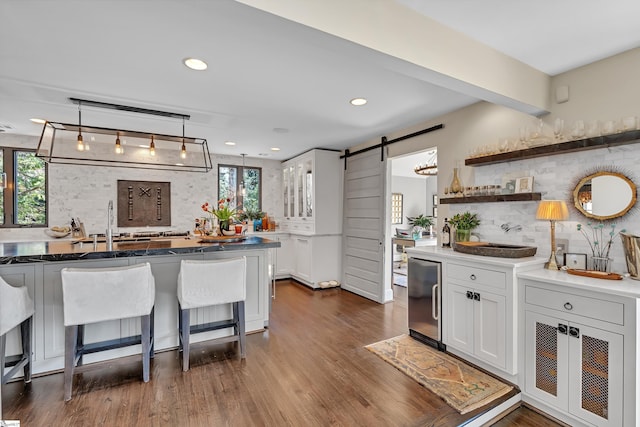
(555, 177)
(84, 192)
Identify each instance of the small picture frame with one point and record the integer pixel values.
(575, 261)
(508, 186)
(524, 184)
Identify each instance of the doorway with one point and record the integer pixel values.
(410, 195)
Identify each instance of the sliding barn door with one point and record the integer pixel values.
(364, 226)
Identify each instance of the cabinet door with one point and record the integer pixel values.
(303, 258)
(595, 375)
(546, 354)
(459, 319)
(284, 257)
(288, 176)
(489, 311)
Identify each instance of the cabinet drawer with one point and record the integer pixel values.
(477, 276)
(607, 311)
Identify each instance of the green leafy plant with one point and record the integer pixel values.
(465, 221)
(420, 221)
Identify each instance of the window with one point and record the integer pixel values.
(229, 186)
(396, 208)
(24, 200)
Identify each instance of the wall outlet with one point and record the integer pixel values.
(562, 247)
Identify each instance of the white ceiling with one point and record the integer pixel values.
(265, 73)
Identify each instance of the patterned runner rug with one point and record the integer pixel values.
(464, 388)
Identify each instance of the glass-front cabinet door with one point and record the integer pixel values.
(304, 185)
(288, 191)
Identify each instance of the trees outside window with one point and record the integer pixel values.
(229, 186)
(24, 200)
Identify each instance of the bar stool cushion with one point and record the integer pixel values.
(99, 294)
(15, 306)
(198, 288)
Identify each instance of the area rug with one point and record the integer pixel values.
(461, 386)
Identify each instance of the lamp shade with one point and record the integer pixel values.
(554, 210)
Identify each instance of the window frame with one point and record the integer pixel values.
(9, 164)
(240, 173)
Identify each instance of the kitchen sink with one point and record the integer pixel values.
(499, 250)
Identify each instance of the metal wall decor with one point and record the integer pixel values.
(144, 203)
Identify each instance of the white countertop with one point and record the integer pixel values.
(626, 287)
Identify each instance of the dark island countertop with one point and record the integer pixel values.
(67, 250)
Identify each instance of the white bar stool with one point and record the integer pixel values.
(208, 283)
(16, 308)
(93, 295)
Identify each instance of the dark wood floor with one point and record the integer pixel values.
(309, 368)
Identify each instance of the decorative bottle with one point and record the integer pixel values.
(455, 183)
(446, 234)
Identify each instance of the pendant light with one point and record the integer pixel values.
(152, 147)
(80, 145)
(118, 146)
(183, 150)
(243, 189)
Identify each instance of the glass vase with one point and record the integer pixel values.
(455, 187)
(463, 235)
(601, 264)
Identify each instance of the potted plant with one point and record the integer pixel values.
(419, 223)
(464, 223)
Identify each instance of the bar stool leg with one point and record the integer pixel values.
(80, 344)
(184, 337)
(3, 343)
(241, 328)
(145, 326)
(25, 331)
(70, 341)
(152, 337)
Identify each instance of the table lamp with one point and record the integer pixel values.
(553, 210)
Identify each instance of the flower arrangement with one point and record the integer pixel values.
(599, 241)
(224, 212)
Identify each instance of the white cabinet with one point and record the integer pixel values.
(477, 323)
(317, 259)
(312, 193)
(284, 259)
(574, 353)
(476, 313)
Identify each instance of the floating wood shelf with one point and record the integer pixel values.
(518, 197)
(623, 138)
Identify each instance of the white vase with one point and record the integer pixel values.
(229, 232)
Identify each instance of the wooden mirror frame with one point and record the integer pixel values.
(583, 181)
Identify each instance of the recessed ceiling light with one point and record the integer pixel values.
(195, 64)
(38, 121)
(275, 149)
(229, 143)
(358, 101)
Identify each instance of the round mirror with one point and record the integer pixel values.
(604, 195)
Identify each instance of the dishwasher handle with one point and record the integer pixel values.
(435, 301)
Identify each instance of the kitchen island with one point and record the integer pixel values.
(37, 265)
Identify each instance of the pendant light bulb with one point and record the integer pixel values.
(152, 147)
(243, 189)
(80, 145)
(118, 146)
(183, 151)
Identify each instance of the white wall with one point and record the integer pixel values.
(602, 91)
(84, 192)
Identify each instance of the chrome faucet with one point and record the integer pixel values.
(109, 234)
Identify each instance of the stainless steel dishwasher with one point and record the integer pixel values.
(425, 301)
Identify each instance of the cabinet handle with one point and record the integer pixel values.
(568, 306)
(562, 329)
(476, 296)
(472, 277)
(574, 332)
(469, 295)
